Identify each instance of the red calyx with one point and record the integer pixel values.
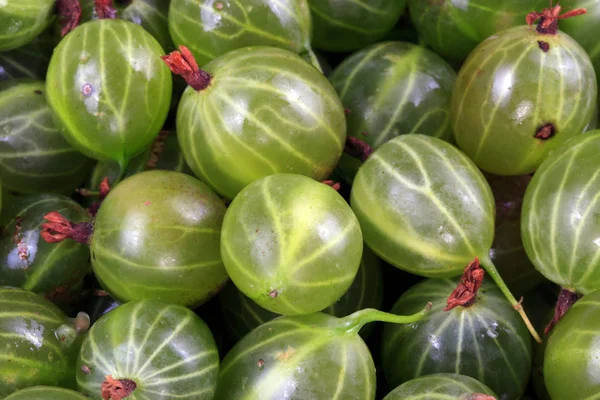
(357, 148)
(103, 192)
(105, 9)
(465, 293)
(549, 18)
(59, 228)
(69, 12)
(117, 389)
(183, 63)
(335, 185)
(566, 299)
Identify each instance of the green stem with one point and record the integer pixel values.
(313, 59)
(490, 268)
(354, 322)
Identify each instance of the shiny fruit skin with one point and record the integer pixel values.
(156, 236)
(109, 89)
(34, 156)
(166, 349)
(212, 28)
(571, 364)
(266, 111)
(439, 387)
(487, 341)
(291, 244)
(510, 88)
(28, 61)
(559, 223)
(423, 206)
(46, 393)
(22, 21)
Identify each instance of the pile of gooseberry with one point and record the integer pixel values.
(299, 200)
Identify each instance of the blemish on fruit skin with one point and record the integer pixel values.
(545, 131)
(545, 46)
(86, 370)
(273, 294)
(260, 363)
(285, 355)
(147, 203)
(87, 89)
(219, 6)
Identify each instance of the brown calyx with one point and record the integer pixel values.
(182, 63)
(105, 9)
(357, 148)
(335, 185)
(69, 12)
(117, 389)
(102, 193)
(465, 293)
(566, 299)
(545, 131)
(157, 148)
(58, 228)
(549, 19)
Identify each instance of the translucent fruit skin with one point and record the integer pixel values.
(487, 341)
(291, 244)
(266, 111)
(509, 88)
(212, 28)
(410, 92)
(166, 349)
(453, 29)
(423, 206)
(22, 21)
(561, 214)
(34, 156)
(571, 364)
(28, 61)
(109, 89)
(341, 26)
(300, 357)
(439, 387)
(46, 393)
(156, 236)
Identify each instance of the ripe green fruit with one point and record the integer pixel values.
(343, 26)
(34, 157)
(154, 350)
(291, 244)
(454, 29)
(571, 362)
(22, 21)
(109, 89)
(54, 271)
(156, 236)
(46, 393)
(560, 216)
(519, 95)
(314, 356)
(262, 111)
(486, 340)
(242, 315)
(39, 343)
(409, 93)
(440, 387)
(212, 28)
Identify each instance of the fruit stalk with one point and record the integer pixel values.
(566, 299)
(69, 12)
(490, 268)
(355, 321)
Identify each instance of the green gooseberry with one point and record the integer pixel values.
(151, 350)
(241, 315)
(156, 236)
(520, 94)
(571, 364)
(39, 343)
(410, 93)
(349, 25)
(507, 251)
(212, 28)
(442, 387)
(314, 356)
(255, 112)
(584, 29)
(424, 207)
(46, 393)
(28, 61)
(291, 244)
(453, 29)
(54, 271)
(34, 156)
(22, 21)
(109, 90)
(485, 340)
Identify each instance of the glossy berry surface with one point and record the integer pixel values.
(440, 387)
(46, 393)
(291, 244)
(22, 21)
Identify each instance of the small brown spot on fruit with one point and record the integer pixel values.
(87, 89)
(273, 294)
(260, 363)
(545, 46)
(545, 131)
(285, 355)
(86, 370)
(346, 111)
(37, 91)
(219, 6)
